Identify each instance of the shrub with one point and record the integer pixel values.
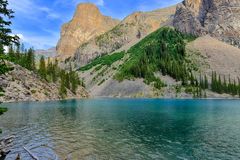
(104, 60)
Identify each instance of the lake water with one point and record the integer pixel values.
(125, 129)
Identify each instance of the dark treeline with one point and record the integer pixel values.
(225, 85)
(47, 70)
(219, 84)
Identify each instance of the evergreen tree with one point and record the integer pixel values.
(74, 82)
(205, 82)
(67, 81)
(17, 53)
(219, 85)
(225, 84)
(42, 68)
(192, 79)
(6, 39)
(62, 89)
(54, 72)
(30, 60)
(49, 70)
(11, 53)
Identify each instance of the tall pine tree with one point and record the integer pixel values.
(42, 68)
(6, 39)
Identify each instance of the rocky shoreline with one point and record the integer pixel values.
(21, 85)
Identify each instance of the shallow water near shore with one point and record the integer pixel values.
(125, 129)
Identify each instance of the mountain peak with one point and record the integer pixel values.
(87, 23)
(85, 10)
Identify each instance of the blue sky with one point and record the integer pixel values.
(38, 22)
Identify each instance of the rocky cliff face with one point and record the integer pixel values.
(128, 32)
(219, 18)
(86, 24)
(24, 85)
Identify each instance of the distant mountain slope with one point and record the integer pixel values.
(131, 30)
(51, 52)
(87, 23)
(220, 57)
(219, 18)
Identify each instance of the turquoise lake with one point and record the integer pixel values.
(125, 129)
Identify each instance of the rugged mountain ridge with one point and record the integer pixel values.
(87, 23)
(198, 17)
(218, 18)
(127, 33)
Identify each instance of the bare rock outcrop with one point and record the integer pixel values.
(218, 18)
(86, 24)
(131, 30)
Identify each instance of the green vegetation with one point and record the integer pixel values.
(2, 110)
(69, 80)
(48, 71)
(5, 32)
(103, 60)
(222, 85)
(6, 38)
(219, 84)
(42, 68)
(1, 91)
(105, 38)
(19, 55)
(117, 31)
(101, 82)
(164, 51)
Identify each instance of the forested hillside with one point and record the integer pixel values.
(163, 51)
